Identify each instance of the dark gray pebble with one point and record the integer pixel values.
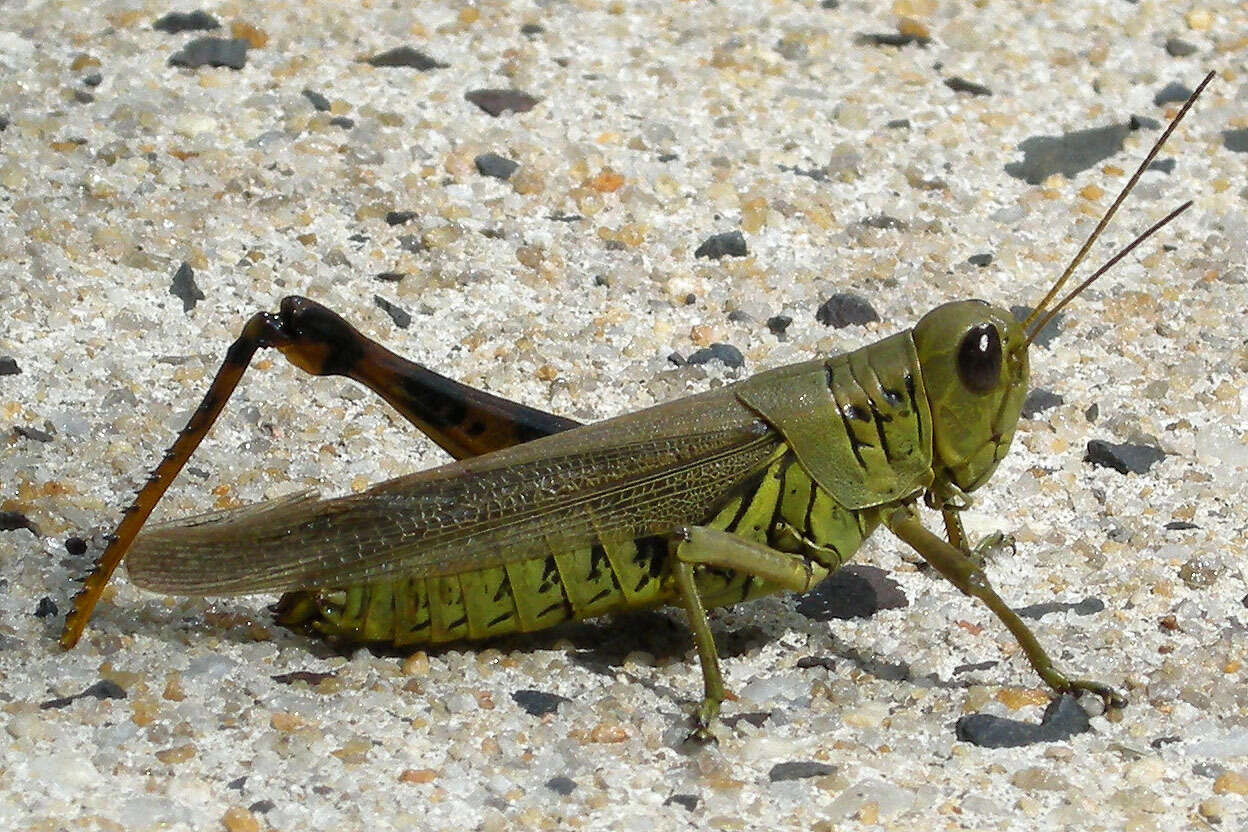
(561, 785)
(974, 667)
(960, 84)
(13, 520)
(184, 287)
(399, 217)
(46, 608)
(798, 770)
(538, 702)
(1038, 401)
(405, 57)
(1124, 458)
(980, 260)
(817, 174)
(103, 689)
(231, 52)
(891, 39)
(311, 678)
(8, 366)
(884, 222)
(1088, 606)
(176, 22)
(845, 309)
(729, 355)
(33, 434)
(777, 324)
(401, 317)
(497, 102)
(1179, 48)
(1062, 719)
(499, 167)
(727, 244)
(319, 102)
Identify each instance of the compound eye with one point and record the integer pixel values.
(979, 358)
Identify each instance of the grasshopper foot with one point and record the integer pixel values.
(996, 542)
(1112, 697)
(703, 718)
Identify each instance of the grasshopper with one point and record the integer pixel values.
(765, 485)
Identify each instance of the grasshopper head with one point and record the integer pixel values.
(974, 361)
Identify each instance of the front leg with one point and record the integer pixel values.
(958, 539)
(969, 577)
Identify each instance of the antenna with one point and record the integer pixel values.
(1113, 208)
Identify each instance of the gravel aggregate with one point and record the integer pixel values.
(888, 153)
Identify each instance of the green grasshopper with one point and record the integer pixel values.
(765, 485)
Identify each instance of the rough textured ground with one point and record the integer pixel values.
(849, 165)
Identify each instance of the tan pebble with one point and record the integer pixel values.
(531, 256)
(1199, 20)
(607, 732)
(1091, 193)
(354, 751)
(441, 236)
(1213, 809)
(418, 775)
(238, 819)
(753, 214)
(632, 234)
(913, 28)
(1231, 782)
(143, 711)
(1146, 770)
(914, 8)
(1015, 698)
(284, 721)
(256, 38)
(701, 335)
(1037, 778)
(868, 715)
(547, 373)
(527, 181)
(607, 181)
(416, 664)
(869, 813)
(177, 754)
